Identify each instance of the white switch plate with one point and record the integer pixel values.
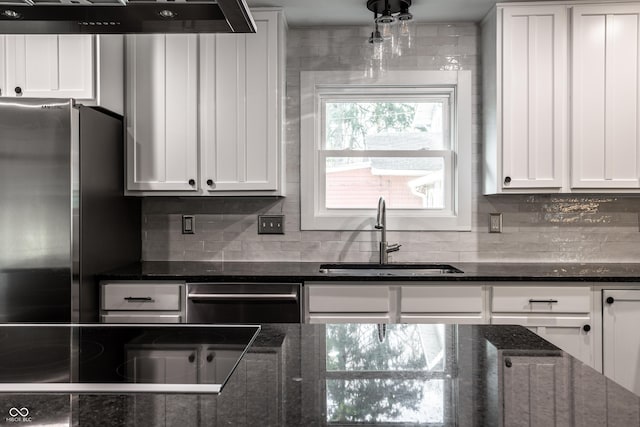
(495, 223)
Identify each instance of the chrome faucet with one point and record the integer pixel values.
(381, 224)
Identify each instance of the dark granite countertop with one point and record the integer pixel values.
(310, 271)
(319, 375)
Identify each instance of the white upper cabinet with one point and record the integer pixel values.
(204, 112)
(241, 117)
(84, 67)
(525, 98)
(49, 66)
(161, 112)
(534, 81)
(605, 120)
(561, 100)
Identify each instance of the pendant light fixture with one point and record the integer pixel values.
(392, 33)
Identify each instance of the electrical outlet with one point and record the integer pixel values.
(495, 223)
(188, 224)
(270, 224)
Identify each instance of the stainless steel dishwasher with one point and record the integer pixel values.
(243, 303)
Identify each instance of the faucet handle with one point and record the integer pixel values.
(393, 248)
(379, 227)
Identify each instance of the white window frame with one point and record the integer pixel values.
(316, 86)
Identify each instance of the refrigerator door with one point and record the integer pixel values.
(35, 210)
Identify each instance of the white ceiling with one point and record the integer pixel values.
(354, 12)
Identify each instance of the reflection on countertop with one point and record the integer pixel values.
(311, 271)
(337, 375)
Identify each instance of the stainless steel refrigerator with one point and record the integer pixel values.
(63, 215)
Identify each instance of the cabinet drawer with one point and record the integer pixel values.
(140, 296)
(516, 299)
(441, 299)
(141, 318)
(348, 299)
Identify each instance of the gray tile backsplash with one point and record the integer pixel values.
(535, 228)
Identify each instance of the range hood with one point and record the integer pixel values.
(124, 16)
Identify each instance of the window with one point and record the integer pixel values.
(405, 138)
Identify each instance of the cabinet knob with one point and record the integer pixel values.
(209, 182)
(18, 90)
(209, 357)
(507, 362)
(507, 180)
(192, 358)
(610, 300)
(192, 182)
(586, 328)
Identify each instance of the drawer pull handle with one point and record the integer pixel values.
(243, 297)
(543, 301)
(138, 299)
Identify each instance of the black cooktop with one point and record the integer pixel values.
(120, 358)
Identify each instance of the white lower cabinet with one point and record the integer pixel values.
(394, 302)
(560, 313)
(141, 302)
(442, 304)
(342, 303)
(621, 341)
(573, 334)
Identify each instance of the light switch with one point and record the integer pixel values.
(270, 224)
(495, 223)
(188, 224)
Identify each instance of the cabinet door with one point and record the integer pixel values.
(573, 334)
(162, 105)
(240, 108)
(534, 92)
(620, 338)
(53, 66)
(606, 101)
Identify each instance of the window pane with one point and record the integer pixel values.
(385, 400)
(404, 182)
(352, 125)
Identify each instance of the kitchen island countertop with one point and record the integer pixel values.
(310, 271)
(317, 375)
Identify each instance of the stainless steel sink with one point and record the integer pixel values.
(368, 269)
